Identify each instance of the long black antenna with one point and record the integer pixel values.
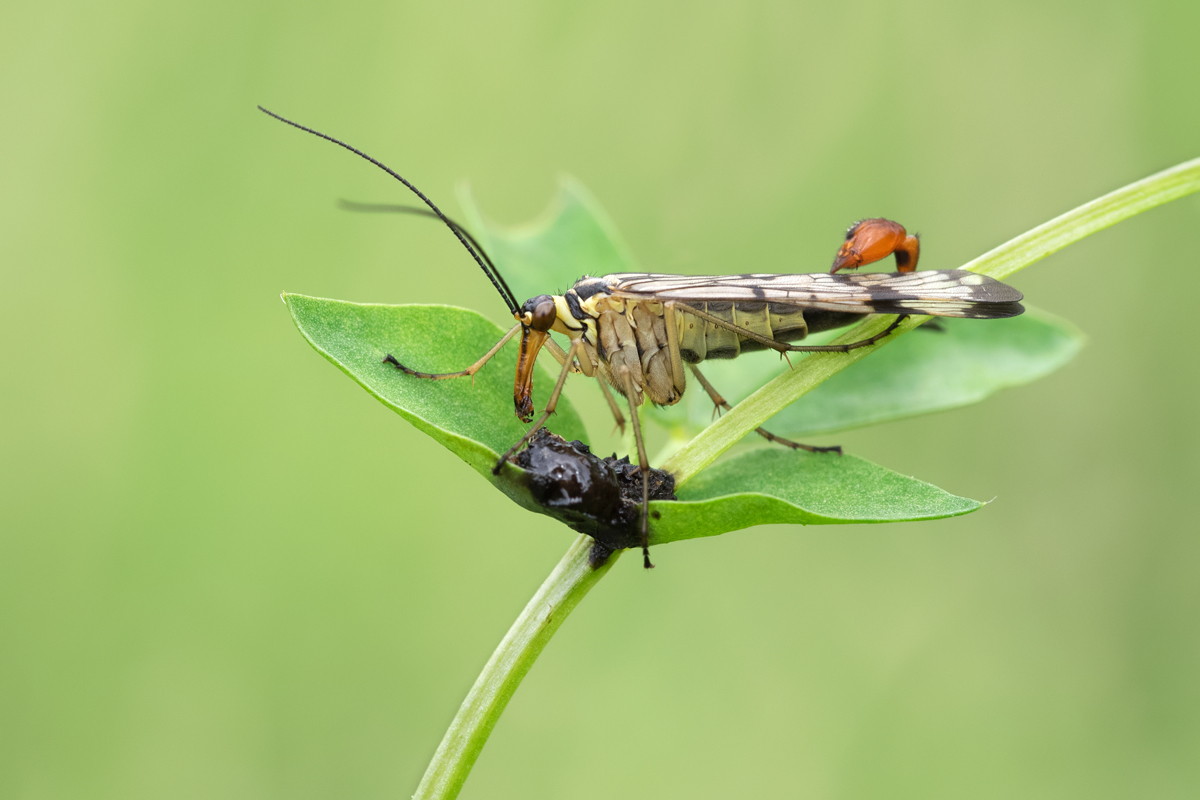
(492, 273)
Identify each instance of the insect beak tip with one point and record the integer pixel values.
(531, 343)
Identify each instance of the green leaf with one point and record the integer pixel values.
(573, 237)
(476, 422)
(773, 485)
(918, 374)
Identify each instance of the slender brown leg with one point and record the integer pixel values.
(643, 463)
(471, 370)
(559, 354)
(612, 404)
(576, 347)
(782, 347)
(720, 402)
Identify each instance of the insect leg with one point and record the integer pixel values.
(576, 348)
(783, 347)
(471, 370)
(720, 402)
(626, 378)
(678, 377)
(612, 404)
(559, 354)
(846, 348)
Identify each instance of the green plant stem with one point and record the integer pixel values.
(1001, 262)
(571, 579)
(574, 577)
(1050, 237)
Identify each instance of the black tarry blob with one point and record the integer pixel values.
(599, 497)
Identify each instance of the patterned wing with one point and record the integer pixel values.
(941, 293)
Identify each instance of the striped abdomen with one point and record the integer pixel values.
(700, 339)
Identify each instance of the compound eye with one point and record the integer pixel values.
(544, 314)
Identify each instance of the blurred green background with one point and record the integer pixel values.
(226, 571)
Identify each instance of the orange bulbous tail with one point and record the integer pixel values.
(872, 239)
